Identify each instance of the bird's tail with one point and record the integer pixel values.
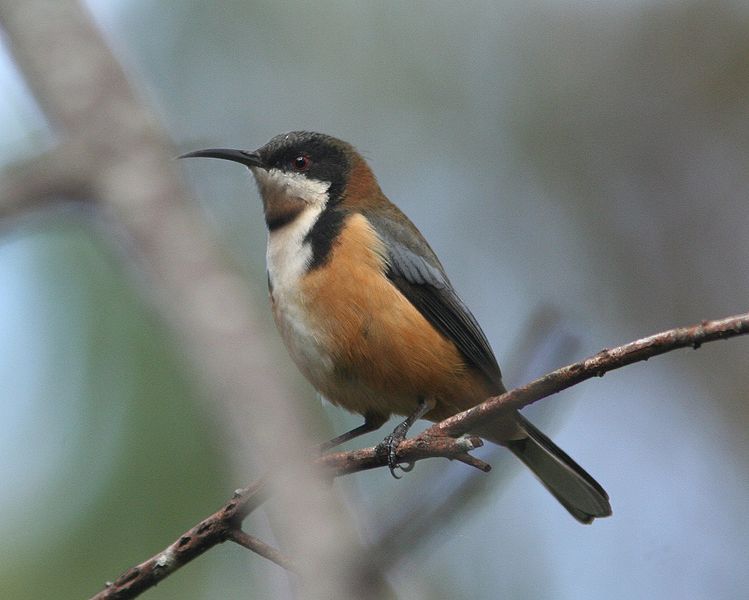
(568, 482)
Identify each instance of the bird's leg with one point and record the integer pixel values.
(390, 443)
(371, 422)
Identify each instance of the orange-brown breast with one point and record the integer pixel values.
(385, 355)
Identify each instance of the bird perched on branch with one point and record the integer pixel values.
(368, 314)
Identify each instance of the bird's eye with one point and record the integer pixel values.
(301, 163)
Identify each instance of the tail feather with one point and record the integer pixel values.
(567, 481)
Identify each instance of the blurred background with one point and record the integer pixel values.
(587, 162)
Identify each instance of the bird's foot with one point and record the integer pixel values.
(390, 443)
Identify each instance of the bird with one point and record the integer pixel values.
(368, 314)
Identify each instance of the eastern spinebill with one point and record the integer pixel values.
(368, 314)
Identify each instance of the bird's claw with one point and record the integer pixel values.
(390, 444)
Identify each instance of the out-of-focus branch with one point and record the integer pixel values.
(41, 180)
(434, 442)
(113, 151)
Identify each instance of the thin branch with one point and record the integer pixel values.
(225, 523)
(595, 366)
(265, 550)
(433, 442)
(410, 450)
(211, 531)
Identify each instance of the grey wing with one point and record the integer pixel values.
(417, 273)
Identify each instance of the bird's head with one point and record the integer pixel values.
(301, 170)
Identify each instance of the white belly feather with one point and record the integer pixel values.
(288, 257)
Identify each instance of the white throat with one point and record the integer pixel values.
(288, 255)
(279, 186)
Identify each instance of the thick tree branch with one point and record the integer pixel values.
(434, 442)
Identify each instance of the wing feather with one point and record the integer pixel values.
(417, 273)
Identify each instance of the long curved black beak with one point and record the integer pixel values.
(249, 159)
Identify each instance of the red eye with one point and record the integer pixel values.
(301, 163)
